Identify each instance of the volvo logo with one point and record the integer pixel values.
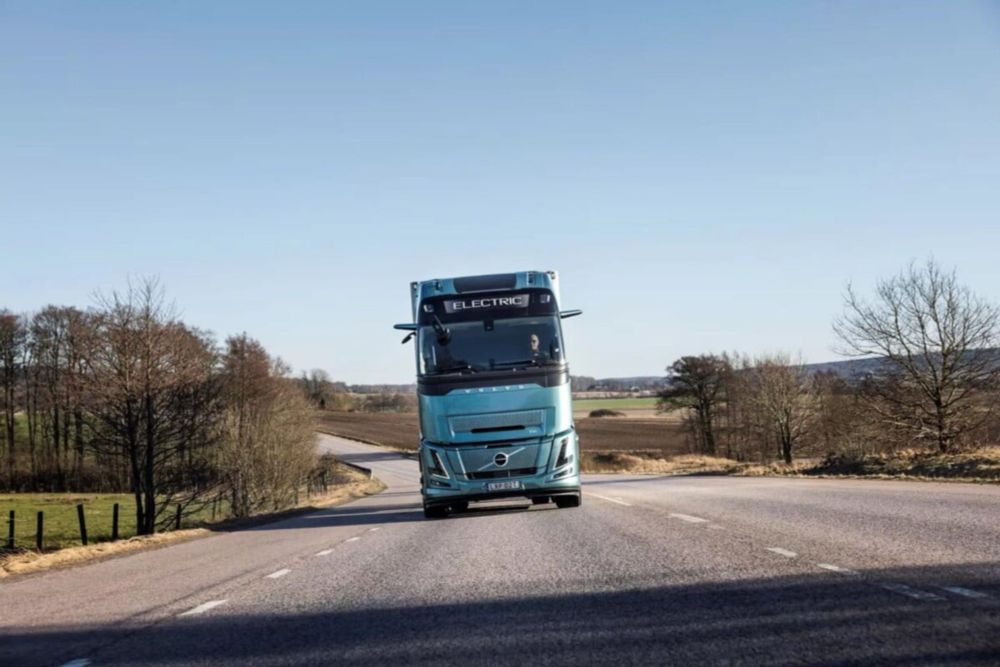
(500, 460)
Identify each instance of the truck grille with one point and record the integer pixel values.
(493, 474)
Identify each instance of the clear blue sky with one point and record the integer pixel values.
(705, 177)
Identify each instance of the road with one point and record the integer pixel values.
(650, 570)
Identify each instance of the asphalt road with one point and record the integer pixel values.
(698, 570)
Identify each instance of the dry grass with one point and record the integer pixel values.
(26, 562)
(654, 462)
(979, 465)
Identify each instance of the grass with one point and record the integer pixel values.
(977, 465)
(350, 484)
(645, 461)
(62, 528)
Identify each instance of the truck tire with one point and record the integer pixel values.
(435, 511)
(563, 502)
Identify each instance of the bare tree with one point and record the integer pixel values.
(317, 386)
(938, 339)
(154, 398)
(697, 384)
(779, 397)
(13, 336)
(268, 447)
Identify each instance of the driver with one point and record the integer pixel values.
(536, 352)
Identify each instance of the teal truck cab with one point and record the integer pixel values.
(496, 418)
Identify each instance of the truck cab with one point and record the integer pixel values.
(496, 415)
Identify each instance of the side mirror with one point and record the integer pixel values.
(566, 314)
(405, 327)
(409, 337)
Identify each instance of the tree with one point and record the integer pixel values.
(938, 339)
(13, 336)
(154, 398)
(779, 397)
(268, 447)
(317, 386)
(697, 384)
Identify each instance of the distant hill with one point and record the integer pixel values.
(854, 369)
(847, 369)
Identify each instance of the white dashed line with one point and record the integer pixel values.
(911, 592)
(278, 574)
(79, 662)
(202, 608)
(324, 552)
(610, 500)
(836, 568)
(782, 552)
(372, 530)
(352, 539)
(965, 592)
(689, 518)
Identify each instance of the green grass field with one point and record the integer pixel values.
(62, 528)
(588, 404)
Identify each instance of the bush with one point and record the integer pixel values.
(604, 412)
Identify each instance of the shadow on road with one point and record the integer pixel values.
(810, 619)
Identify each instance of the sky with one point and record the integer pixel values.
(705, 176)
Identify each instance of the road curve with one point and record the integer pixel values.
(651, 570)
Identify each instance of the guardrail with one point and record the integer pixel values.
(355, 466)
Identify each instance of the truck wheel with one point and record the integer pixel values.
(459, 507)
(563, 502)
(435, 511)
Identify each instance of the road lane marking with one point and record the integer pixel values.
(782, 552)
(966, 592)
(278, 574)
(203, 607)
(689, 518)
(836, 568)
(911, 592)
(352, 539)
(324, 552)
(610, 500)
(79, 662)
(372, 530)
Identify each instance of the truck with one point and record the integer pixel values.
(493, 390)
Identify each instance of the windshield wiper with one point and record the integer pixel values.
(458, 368)
(525, 362)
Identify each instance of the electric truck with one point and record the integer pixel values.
(493, 388)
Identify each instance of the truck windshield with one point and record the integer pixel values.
(487, 345)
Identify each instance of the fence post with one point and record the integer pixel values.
(10, 531)
(39, 530)
(114, 522)
(83, 524)
(177, 522)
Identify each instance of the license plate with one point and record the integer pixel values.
(504, 486)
